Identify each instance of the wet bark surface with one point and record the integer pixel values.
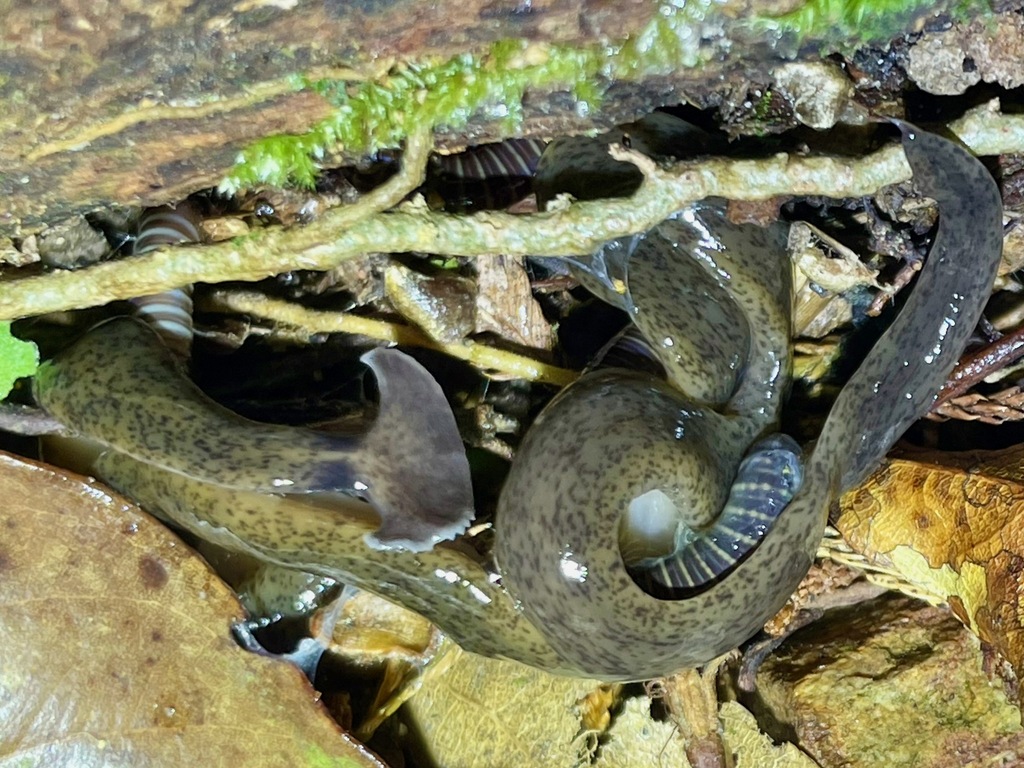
(142, 103)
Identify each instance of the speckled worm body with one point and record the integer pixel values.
(564, 598)
(567, 572)
(156, 416)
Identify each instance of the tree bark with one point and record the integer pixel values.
(143, 102)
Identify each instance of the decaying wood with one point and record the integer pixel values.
(141, 103)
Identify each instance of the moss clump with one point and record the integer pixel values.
(847, 24)
(375, 114)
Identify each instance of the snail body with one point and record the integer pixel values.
(564, 597)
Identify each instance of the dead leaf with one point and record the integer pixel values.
(891, 682)
(637, 739)
(996, 408)
(117, 648)
(823, 272)
(442, 306)
(371, 630)
(596, 707)
(220, 228)
(474, 711)
(505, 305)
(951, 524)
(752, 747)
(371, 633)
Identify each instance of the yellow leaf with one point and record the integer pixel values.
(951, 524)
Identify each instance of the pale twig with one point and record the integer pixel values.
(577, 229)
(487, 359)
(239, 259)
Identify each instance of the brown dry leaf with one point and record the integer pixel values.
(636, 740)
(952, 524)
(473, 711)
(1013, 259)
(890, 682)
(827, 262)
(505, 305)
(442, 305)
(824, 271)
(596, 707)
(996, 408)
(812, 362)
(218, 229)
(371, 630)
(117, 647)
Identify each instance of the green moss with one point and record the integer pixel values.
(371, 115)
(671, 40)
(448, 92)
(448, 264)
(283, 157)
(762, 110)
(847, 24)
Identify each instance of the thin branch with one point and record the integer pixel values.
(347, 232)
(487, 359)
(975, 366)
(245, 258)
